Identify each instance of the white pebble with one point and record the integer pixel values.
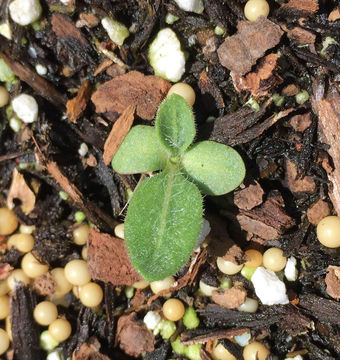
(55, 355)
(41, 69)
(166, 56)
(151, 319)
(26, 108)
(243, 339)
(83, 149)
(117, 31)
(268, 287)
(25, 12)
(5, 30)
(291, 272)
(15, 124)
(195, 6)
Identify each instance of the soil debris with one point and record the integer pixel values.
(133, 336)
(261, 81)
(118, 132)
(295, 184)
(207, 86)
(303, 5)
(290, 90)
(240, 52)
(76, 106)
(301, 122)
(299, 35)
(269, 221)
(132, 88)
(5, 271)
(318, 211)
(87, 19)
(103, 66)
(334, 15)
(20, 190)
(235, 255)
(44, 285)
(249, 197)
(108, 260)
(332, 281)
(89, 351)
(230, 298)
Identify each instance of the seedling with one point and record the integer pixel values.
(164, 216)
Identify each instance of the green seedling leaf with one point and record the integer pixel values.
(175, 126)
(139, 152)
(215, 168)
(162, 224)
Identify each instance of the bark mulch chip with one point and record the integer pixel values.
(318, 211)
(332, 281)
(230, 298)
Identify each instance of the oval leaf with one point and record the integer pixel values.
(139, 152)
(215, 168)
(175, 126)
(162, 224)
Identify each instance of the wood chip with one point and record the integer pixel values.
(102, 66)
(20, 190)
(249, 197)
(303, 5)
(132, 88)
(334, 15)
(301, 122)
(118, 132)
(44, 285)
(328, 111)
(43, 87)
(290, 90)
(133, 336)
(299, 35)
(261, 81)
(332, 281)
(304, 184)
(87, 19)
(230, 298)
(108, 260)
(89, 352)
(269, 221)
(318, 211)
(76, 106)
(240, 52)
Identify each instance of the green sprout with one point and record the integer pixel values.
(164, 216)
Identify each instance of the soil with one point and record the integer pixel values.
(247, 83)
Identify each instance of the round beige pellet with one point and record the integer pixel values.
(255, 351)
(141, 284)
(8, 327)
(184, 90)
(274, 260)
(17, 275)
(219, 352)
(206, 289)
(250, 305)
(62, 285)
(84, 253)
(23, 242)
(227, 267)
(91, 294)
(32, 266)
(328, 231)
(255, 258)
(77, 273)
(8, 221)
(4, 341)
(81, 234)
(26, 229)
(60, 330)
(256, 8)
(160, 285)
(4, 96)
(119, 231)
(173, 309)
(4, 288)
(4, 307)
(45, 313)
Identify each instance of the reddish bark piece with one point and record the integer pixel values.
(44, 285)
(249, 197)
(91, 161)
(334, 15)
(206, 85)
(301, 122)
(204, 35)
(89, 352)
(333, 281)
(108, 260)
(115, 70)
(230, 298)
(260, 81)
(133, 88)
(269, 221)
(117, 134)
(239, 52)
(133, 336)
(64, 28)
(299, 35)
(87, 19)
(303, 5)
(20, 190)
(76, 106)
(5, 271)
(102, 66)
(304, 184)
(139, 299)
(235, 255)
(318, 211)
(328, 111)
(290, 90)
